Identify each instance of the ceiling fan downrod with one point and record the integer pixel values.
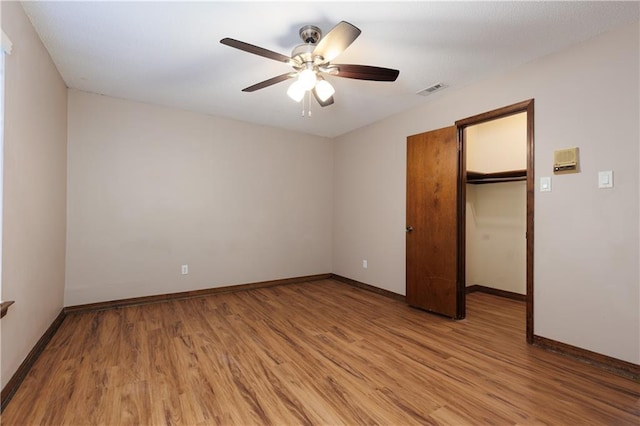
(310, 34)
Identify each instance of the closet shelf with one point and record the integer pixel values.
(478, 178)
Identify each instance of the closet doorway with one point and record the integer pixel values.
(436, 243)
(496, 195)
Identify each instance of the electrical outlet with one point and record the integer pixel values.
(185, 269)
(365, 264)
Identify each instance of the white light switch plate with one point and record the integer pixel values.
(545, 184)
(605, 179)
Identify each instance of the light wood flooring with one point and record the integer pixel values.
(313, 353)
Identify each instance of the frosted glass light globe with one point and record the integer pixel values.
(296, 91)
(307, 79)
(324, 90)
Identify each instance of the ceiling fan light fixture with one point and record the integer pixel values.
(311, 60)
(307, 79)
(296, 91)
(324, 90)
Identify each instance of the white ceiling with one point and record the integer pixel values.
(168, 53)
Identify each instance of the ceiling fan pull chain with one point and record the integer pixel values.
(306, 105)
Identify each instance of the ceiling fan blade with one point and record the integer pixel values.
(336, 41)
(269, 82)
(255, 50)
(365, 72)
(320, 101)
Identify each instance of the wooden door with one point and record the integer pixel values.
(432, 223)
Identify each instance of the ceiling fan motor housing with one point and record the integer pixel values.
(303, 53)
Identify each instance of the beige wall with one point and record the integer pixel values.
(152, 188)
(586, 239)
(35, 161)
(497, 145)
(495, 236)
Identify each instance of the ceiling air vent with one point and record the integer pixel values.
(433, 88)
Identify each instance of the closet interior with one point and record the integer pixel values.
(496, 205)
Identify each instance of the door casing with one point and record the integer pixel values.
(524, 106)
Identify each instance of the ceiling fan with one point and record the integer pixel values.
(311, 62)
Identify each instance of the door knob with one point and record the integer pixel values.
(409, 228)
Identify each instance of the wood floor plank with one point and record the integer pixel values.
(314, 353)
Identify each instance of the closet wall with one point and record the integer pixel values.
(496, 212)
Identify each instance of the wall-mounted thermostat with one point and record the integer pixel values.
(565, 161)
